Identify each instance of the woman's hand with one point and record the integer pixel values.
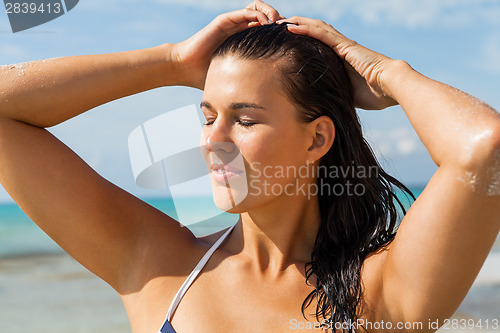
(193, 56)
(364, 66)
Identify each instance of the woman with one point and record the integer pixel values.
(292, 258)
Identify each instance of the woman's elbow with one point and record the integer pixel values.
(481, 159)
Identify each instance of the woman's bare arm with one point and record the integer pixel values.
(103, 227)
(112, 233)
(449, 231)
(48, 92)
(447, 234)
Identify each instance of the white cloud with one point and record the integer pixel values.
(408, 13)
(423, 13)
(406, 146)
(489, 55)
(105, 6)
(213, 5)
(400, 141)
(10, 50)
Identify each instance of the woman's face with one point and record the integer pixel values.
(254, 140)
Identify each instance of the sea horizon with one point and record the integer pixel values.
(19, 236)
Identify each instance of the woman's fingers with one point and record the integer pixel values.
(238, 20)
(338, 43)
(321, 31)
(298, 20)
(271, 13)
(364, 65)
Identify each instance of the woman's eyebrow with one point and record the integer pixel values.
(234, 106)
(237, 106)
(206, 105)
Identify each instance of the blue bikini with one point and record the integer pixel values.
(167, 327)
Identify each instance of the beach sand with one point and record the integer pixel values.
(53, 293)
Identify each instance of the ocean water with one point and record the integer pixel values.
(19, 236)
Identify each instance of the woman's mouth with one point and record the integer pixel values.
(223, 172)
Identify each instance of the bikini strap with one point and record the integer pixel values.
(185, 286)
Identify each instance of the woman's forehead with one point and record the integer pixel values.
(231, 76)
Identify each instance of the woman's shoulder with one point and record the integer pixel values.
(210, 239)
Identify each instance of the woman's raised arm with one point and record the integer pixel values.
(445, 237)
(48, 92)
(112, 233)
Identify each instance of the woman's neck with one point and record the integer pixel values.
(279, 234)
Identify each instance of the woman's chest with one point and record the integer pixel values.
(244, 302)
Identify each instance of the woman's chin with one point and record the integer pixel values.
(229, 194)
(229, 201)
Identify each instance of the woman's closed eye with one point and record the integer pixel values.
(241, 122)
(245, 123)
(209, 122)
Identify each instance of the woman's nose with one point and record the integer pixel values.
(220, 146)
(219, 138)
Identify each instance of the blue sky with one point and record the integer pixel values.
(453, 41)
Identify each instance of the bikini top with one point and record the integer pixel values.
(167, 327)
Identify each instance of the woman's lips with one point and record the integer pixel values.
(223, 172)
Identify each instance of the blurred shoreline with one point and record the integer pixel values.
(58, 295)
(54, 293)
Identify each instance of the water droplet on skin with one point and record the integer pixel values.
(469, 179)
(494, 174)
(489, 184)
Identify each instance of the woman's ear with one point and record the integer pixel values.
(322, 130)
